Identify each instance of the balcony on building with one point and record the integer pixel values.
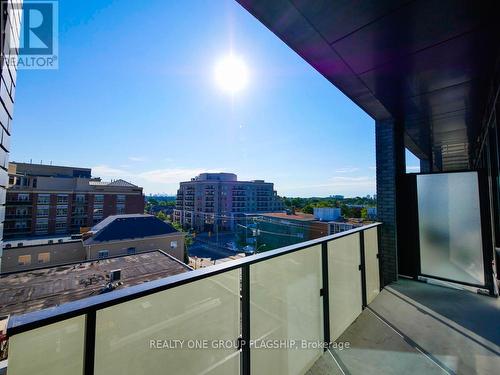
(414, 292)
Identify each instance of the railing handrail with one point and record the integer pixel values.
(22, 323)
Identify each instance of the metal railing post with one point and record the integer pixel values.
(88, 355)
(245, 319)
(325, 293)
(362, 268)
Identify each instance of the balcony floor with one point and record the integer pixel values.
(422, 328)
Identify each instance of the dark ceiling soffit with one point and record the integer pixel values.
(299, 35)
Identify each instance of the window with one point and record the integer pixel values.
(21, 212)
(43, 257)
(79, 211)
(23, 197)
(41, 227)
(62, 211)
(42, 211)
(103, 254)
(24, 260)
(78, 222)
(21, 224)
(120, 208)
(98, 198)
(62, 198)
(43, 198)
(120, 198)
(80, 198)
(173, 244)
(131, 251)
(61, 227)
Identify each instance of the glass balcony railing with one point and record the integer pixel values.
(267, 313)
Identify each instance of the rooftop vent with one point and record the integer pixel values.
(115, 275)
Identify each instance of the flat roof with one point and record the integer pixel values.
(38, 289)
(283, 215)
(34, 241)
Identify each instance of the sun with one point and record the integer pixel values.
(231, 74)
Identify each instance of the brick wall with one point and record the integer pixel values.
(390, 167)
(134, 204)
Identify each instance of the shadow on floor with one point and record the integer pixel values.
(420, 328)
(472, 311)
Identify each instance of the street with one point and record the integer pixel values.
(206, 247)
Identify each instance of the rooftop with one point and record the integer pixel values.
(296, 216)
(34, 290)
(121, 227)
(119, 182)
(48, 170)
(45, 240)
(222, 177)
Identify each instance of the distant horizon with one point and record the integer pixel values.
(283, 196)
(130, 179)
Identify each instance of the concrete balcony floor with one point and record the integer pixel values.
(418, 328)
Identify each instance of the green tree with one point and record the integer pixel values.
(162, 216)
(308, 209)
(152, 201)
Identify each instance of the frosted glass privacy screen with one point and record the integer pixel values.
(450, 227)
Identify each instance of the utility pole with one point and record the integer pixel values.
(256, 236)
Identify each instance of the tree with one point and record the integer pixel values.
(152, 201)
(308, 209)
(364, 213)
(162, 216)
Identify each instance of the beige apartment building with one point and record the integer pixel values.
(219, 199)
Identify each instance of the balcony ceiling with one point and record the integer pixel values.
(425, 63)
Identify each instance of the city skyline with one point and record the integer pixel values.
(170, 122)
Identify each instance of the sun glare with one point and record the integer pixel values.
(231, 74)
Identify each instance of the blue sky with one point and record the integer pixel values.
(135, 98)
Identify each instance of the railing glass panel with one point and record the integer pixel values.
(54, 349)
(344, 283)
(138, 336)
(371, 264)
(285, 305)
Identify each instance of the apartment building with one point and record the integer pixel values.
(53, 200)
(9, 38)
(216, 199)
